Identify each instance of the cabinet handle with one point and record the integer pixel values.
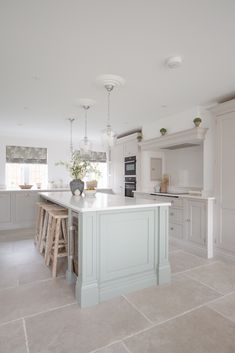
(188, 220)
(172, 214)
(172, 228)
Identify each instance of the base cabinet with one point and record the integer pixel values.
(195, 221)
(190, 222)
(25, 207)
(5, 208)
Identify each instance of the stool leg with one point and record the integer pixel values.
(40, 227)
(48, 240)
(44, 232)
(56, 245)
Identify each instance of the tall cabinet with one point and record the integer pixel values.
(225, 178)
(125, 147)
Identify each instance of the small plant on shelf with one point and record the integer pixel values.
(163, 131)
(197, 121)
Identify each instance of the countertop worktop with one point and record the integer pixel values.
(203, 196)
(34, 190)
(100, 202)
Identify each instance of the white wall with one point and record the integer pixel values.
(146, 184)
(58, 150)
(185, 167)
(183, 121)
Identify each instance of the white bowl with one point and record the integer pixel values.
(89, 193)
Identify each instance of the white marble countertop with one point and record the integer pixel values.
(100, 202)
(34, 189)
(203, 196)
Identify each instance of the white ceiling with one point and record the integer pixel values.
(52, 51)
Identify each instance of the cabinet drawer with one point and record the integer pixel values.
(175, 202)
(176, 230)
(176, 215)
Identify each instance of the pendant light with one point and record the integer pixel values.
(85, 144)
(109, 82)
(71, 120)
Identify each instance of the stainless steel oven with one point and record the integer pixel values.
(130, 186)
(130, 165)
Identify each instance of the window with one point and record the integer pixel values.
(101, 176)
(26, 165)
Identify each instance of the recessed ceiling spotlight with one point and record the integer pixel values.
(26, 108)
(163, 105)
(35, 77)
(173, 62)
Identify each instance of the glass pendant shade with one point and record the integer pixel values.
(85, 145)
(109, 136)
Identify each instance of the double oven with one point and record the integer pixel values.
(130, 176)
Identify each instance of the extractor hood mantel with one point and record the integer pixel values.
(182, 139)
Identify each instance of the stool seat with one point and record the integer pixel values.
(45, 208)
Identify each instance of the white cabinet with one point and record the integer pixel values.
(25, 207)
(117, 169)
(5, 208)
(195, 221)
(190, 222)
(125, 147)
(130, 148)
(225, 178)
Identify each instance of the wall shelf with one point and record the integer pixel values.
(182, 139)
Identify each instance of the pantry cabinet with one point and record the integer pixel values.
(225, 176)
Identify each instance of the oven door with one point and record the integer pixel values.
(129, 188)
(130, 168)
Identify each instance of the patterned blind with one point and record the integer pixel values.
(94, 156)
(20, 154)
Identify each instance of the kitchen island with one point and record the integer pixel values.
(116, 244)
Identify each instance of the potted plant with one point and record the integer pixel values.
(78, 167)
(163, 131)
(197, 121)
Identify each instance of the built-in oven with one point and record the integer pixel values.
(130, 186)
(130, 165)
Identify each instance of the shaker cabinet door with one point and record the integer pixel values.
(25, 206)
(196, 230)
(5, 208)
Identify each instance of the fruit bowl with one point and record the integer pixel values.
(25, 186)
(90, 193)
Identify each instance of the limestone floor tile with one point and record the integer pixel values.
(114, 348)
(12, 339)
(220, 276)
(200, 331)
(34, 298)
(8, 279)
(74, 330)
(225, 306)
(163, 302)
(181, 261)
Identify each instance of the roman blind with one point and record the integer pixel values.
(21, 154)
(94, 156)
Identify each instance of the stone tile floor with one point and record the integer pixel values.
(195, 313)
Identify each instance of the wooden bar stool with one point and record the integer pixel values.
(45, 217)
(39, 222)
(57, 239)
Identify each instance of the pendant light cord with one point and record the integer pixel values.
(108, 121)
(85, 124)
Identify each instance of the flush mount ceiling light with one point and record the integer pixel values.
(85, 144)
(173, 62)
(109, 82)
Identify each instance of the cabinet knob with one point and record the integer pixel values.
(172, 214)
(172, 228)
(188, 220)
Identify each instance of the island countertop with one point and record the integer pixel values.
(99, 202)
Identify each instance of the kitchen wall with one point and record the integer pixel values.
(183, 121)
(146, 184)
(57, 150)
(185, 167)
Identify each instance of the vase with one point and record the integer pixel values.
(76, 184)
